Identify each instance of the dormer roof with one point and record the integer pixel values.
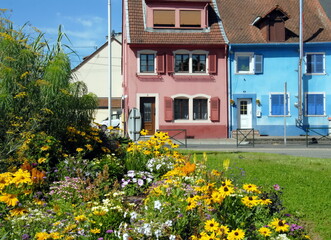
(242, 18)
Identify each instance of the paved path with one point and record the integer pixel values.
(312, 151)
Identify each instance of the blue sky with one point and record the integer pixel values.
(84, 21)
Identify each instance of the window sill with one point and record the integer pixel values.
(153, 76)
(191, 121)
(279, 116)
(313, 74)
(315, 115)
(244, 73)
(193, 77)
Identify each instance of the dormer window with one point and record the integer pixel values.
(182, 15)
(273, 25)
(164, 18)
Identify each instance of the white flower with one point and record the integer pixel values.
(172, 237)
(140, 182)
(281, 237)
(125, 236)
(131, 173)
(133, 216)
(157, 205)
(157, 233)
(168, 223)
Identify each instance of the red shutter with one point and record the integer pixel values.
(215, 109)
(160, 63)
(212, 68)
(170, 63)
(168, 109)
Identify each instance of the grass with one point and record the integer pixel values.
(305, 183)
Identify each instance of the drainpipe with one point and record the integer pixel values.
(109, 63)
(229, 92)
(300, 64)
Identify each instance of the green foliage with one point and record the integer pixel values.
(37, 92)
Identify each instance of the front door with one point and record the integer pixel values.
(147, 109)
(245, 113)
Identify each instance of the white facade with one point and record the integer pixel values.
(93, 71)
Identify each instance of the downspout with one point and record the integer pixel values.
(229, 91)
(300, 65)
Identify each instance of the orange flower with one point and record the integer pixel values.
(188, 168)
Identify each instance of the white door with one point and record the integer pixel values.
(245, 113)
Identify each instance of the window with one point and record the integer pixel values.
(186, 108)
(248, 63)
(182, 62)
(181, 108)
(147, 63)
(199, 63)
(190, 18)
(277, 104)
(315, 104)
(190, 62)
(164, 18)
(200, 109)
(315, 63)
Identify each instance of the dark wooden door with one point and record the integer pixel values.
(147, 110)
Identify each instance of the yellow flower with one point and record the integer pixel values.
(99, 212)
(250, 201)
(211, 225)
(226, 164)
(39, 202)
(45, 148)
(265, 201)
(89, 147)
(237, 234)
(226, 190)
(17, 211)
(217, 197)
(105, 149)
(42, 236)
(143, 132)
(79, 149)
(55, 235)
(215, 173)
(9, 199)
(81, 218)
(251, 188)
(21, 95)
(95, 230)
(264, 231)
(223, 230)
(280, 225)
(41, 160)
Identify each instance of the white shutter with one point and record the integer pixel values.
(258, 64)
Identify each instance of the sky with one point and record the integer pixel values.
(85, 22)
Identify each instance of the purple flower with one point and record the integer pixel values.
(101, 238)
(140, 182)
(109, 231)
(25, 237)
(276, 187)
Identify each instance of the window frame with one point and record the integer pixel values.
(306, 104)
(288, 104)
(253, 62)
(306, 63)
(191, 108)
(191, 53)
(147, 52)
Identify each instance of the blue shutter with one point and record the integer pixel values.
(277, 104)
(315, 104)
(258, 63)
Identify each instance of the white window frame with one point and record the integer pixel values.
(138, 62)
(252, 63)
(306, 63)
(288, 104)
(190, 108)
(190, 53)
(324, 104)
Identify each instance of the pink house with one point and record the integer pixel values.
(175, 66)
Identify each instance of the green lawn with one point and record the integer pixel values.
(305, 183)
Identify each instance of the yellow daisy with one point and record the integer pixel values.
(211, 225)
(237, 234)
(280, 225)
(264, 231)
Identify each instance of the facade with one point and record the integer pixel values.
(263, 65)
(175, 66)
(93, 71)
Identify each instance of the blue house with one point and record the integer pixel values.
(268, 91)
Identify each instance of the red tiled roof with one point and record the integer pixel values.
(139, 35)
(238, 15)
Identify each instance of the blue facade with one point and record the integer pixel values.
(257, 77)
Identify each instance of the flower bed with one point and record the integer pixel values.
(151, 192)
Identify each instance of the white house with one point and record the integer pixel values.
(93, 71)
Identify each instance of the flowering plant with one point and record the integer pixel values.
(136, 182)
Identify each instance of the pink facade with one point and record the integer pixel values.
(176, 85)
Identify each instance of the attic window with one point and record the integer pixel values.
(190, 18)
(276, 31)
(164, 18)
